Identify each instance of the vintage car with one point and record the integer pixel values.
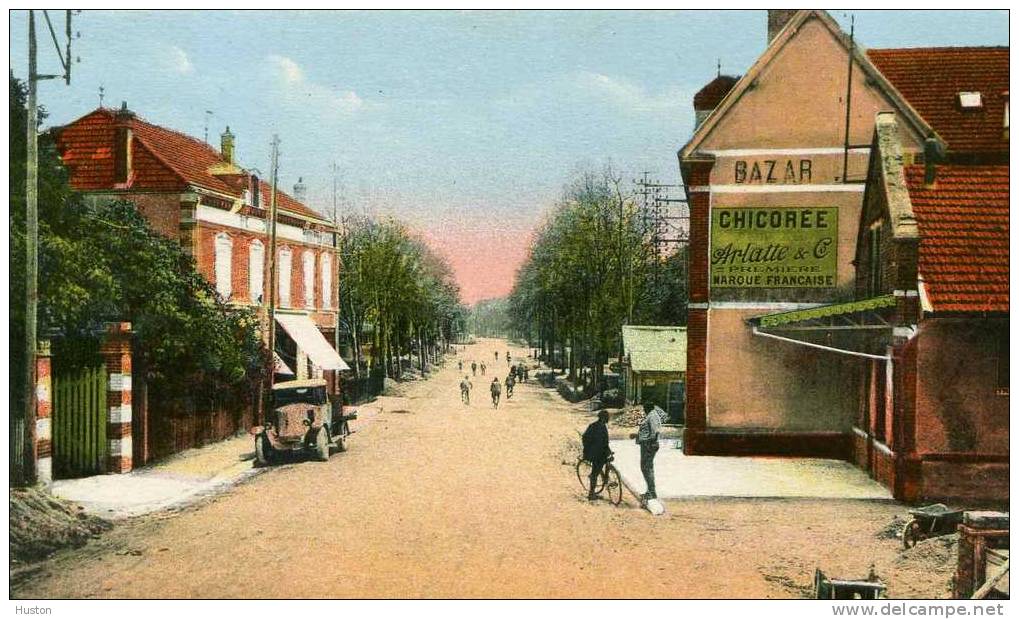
(302, 418)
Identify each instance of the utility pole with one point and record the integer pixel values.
(23, 439)
(272, 257)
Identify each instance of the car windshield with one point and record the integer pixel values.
(300, 395)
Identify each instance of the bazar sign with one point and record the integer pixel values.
(774, 247)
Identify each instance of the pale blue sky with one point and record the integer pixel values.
(444, 118)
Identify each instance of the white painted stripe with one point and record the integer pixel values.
(764, 152)
(697, 305)
(120, 382)
(44, 470)
(120, 414)
(120, 446)
(859, 432)
(42, 429)
(251, 224)
(839, 188)
(698, 189)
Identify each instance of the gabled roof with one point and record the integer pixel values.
(655, 349)
(163, 160)
(787, 33)
(963, 222)
(931, 78)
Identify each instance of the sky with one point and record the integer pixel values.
(464, 124)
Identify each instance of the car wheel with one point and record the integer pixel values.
(263, 450)
(341, 439)
(322, 444)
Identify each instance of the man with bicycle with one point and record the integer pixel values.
(596, 450)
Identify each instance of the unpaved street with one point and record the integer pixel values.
(436, 499)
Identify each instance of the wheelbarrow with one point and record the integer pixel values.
(930, 521)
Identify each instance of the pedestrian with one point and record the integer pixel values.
(522, 373)
(474, 368)
(527, 373)
(497, 355)
(511, 380)
(482, 368)
(509, 358)
(596, 450)
(647, 438)
(496, 391)
(465, 390)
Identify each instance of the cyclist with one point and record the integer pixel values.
(474, 368)
(465, 390)
(496, 391)
(482, 368)
(596, 450)
(460, 365)
(511, 380)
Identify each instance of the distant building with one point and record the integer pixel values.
(219, 212)
(654, 367)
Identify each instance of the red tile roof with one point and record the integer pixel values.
(711, 95)
(164, 160)
(963, 222)
(931, 78)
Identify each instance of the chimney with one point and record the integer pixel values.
(256, 199)
(777, 19)
(300, 190)
(931, 156)
(123, 152)
(226, 145)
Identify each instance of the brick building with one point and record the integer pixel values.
(219, 212)
(892, 352)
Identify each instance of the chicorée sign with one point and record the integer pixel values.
(755, 247)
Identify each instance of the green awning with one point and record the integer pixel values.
(825, 311)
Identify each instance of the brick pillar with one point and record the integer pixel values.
(44, 413)
(188, 227)
(909, 472)
(697, 176)
(116, 352)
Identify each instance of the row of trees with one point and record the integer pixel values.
(397, 297)
(490, 318)
(592, 268)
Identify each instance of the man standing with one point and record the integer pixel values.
(596, 450)
(465, 390)
(647, 438)
(496, 391)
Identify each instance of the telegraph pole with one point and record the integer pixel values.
(23, 440)
(272, 257)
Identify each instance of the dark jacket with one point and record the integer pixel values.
(596, 442)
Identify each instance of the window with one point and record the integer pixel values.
(224, 265)
(1002, 386)
(326, 268)
(256, 271)
(970, 100)
(284, 276)
(874, 259)
(309, 278)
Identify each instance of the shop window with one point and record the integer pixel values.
(326, 267)
(256, 271)
(284, 276)
(224, 265)
(1002, 382)
(309, 278)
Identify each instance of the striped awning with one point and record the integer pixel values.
(310, 340)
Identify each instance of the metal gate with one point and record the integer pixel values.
(79, 422)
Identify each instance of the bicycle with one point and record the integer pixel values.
(609, 480)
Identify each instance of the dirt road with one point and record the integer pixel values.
(437, 499)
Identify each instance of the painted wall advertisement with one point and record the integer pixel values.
(774, 247)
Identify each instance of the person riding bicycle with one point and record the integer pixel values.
(483, 368)
(496, 391)
(511, 380)
(465, 390)
(596, 450)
